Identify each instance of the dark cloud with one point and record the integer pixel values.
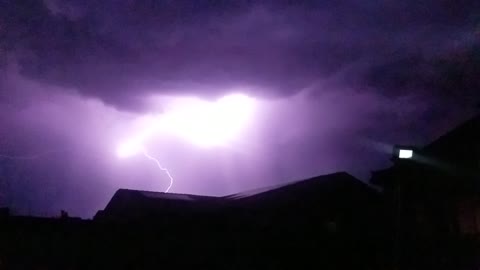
(121, 50)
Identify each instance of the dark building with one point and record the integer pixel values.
(143, 206)
(337, 202)
(319, 220)
(328, 222)
(330, 197)
(434, 201)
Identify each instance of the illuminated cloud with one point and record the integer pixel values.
(208, 124)
(129, 148)
(200, 122)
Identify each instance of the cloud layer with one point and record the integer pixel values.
(120, 50)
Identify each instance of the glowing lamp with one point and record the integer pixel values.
(405, 153)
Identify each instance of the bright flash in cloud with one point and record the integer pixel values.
(129, 148)
(209, 124)
(200, 122)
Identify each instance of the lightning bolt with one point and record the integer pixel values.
(147, 155)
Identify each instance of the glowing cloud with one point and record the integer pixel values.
(129, 148)
(208, 124)
(202, 123)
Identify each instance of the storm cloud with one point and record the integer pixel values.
(119, 51)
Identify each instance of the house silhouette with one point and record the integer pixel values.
(434, 201)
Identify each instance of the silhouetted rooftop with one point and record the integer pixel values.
(323, 182)
(458, 148)
(467, 132)
(325, 187)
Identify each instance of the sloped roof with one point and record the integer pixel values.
(125, 200)
(128, 195)
(324, 182)
(132, 202)
(173, 196)
(256, 191)
(468, 131)
(457, 145)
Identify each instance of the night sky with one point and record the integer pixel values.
(336, 83)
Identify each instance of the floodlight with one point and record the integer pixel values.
(405, 153)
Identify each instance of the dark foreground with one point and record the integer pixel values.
(328, 222)
(64, 244)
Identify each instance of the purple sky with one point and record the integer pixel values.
(336, 81)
